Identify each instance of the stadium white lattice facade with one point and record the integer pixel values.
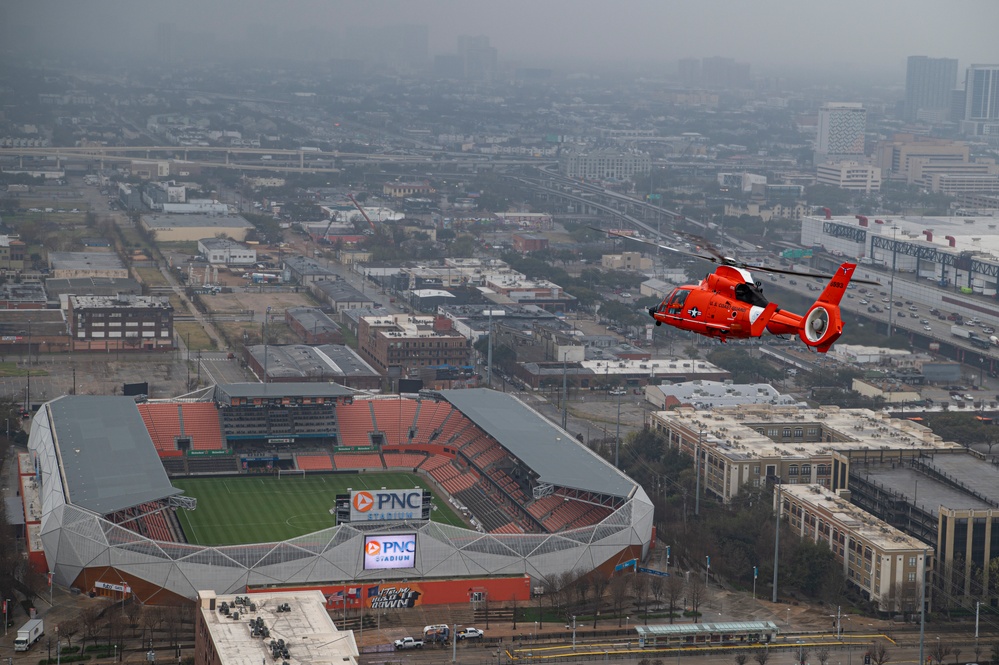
(96, 462)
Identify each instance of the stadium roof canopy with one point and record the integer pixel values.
(108, 460)
(549, 450)
(304, 389)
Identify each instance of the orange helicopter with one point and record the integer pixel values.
(728, 304)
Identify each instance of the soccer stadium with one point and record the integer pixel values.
(249, 486)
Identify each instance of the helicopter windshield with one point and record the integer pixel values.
(676, 300)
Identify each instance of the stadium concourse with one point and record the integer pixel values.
(534, 502)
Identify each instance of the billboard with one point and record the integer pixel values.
(382, 505)
(390, 551)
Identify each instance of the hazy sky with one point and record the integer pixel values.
(766, 33)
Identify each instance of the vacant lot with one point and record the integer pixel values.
(194, 335)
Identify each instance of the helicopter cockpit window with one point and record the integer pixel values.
(676, 301)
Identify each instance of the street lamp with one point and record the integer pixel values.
(756, 573)
(777, 540)
(574, 632)
(787, 619)
(707, 570)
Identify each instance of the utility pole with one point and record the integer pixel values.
(267, 315)
(922, 612)
(777, 547)
(617, 437)
(489, 352)
(565, 389)
(697, 474)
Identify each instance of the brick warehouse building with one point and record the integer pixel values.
(123, 322)
(410, 342)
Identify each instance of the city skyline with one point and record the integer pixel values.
(773, 36)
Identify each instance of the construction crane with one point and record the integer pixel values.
(363, 214)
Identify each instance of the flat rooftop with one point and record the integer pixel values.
(860, 521)
(735, 429)
(329, 361)
(208, 221)
(124, 301)
(928, 492)
(85, 261)
(308, 632)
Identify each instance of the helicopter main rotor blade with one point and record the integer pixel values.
(695, 255)
(718, 258)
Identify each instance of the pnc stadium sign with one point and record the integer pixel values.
(385, 505)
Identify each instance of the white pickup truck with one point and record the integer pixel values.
(408, 643)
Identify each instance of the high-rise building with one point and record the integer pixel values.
(928, 86)
(981, 100)
(841, 132)
(480, 58)
(689, 70)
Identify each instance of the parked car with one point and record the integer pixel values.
(470, 634)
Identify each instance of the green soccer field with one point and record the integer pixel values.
(237, 511)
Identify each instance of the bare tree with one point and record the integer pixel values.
(657, 587)
(802, 655)
(68, 629)
(151, 619)
(938, 652)
(741, 658)
(132, 611)
(566, 582)
(600, 582)
(880, 654)
(620, 588)
(582, 587)
(514, 615)
(91, 620)
(674, 592)
(823, 655)
(762, 656)
(956, 651)
(695, 593)
(640, 584)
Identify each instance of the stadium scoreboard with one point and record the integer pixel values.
(383, 506)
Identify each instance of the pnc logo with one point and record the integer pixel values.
(363, 501)
(372, 548)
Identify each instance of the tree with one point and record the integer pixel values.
(695, 593)
(600, 582)
(762, 656)
(514, 613)
(823, 655)
(657, 587)
(620, 591)
(939, 651)
(68, 628)
(641, 588)
(880, 654)
(674, 591)
(91, 619)
(956, 651)
(582, 586)
(741, 658)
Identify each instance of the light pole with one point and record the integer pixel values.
(697, 474)
(454, 644)
(891, 285)
(777, 540)
(922, 612)
(574, 632)
(707, 569)
(756, 573)
(267, 315)
(617, 436)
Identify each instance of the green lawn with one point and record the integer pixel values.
(235, 511)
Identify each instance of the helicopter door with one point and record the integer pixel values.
(675, 305)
